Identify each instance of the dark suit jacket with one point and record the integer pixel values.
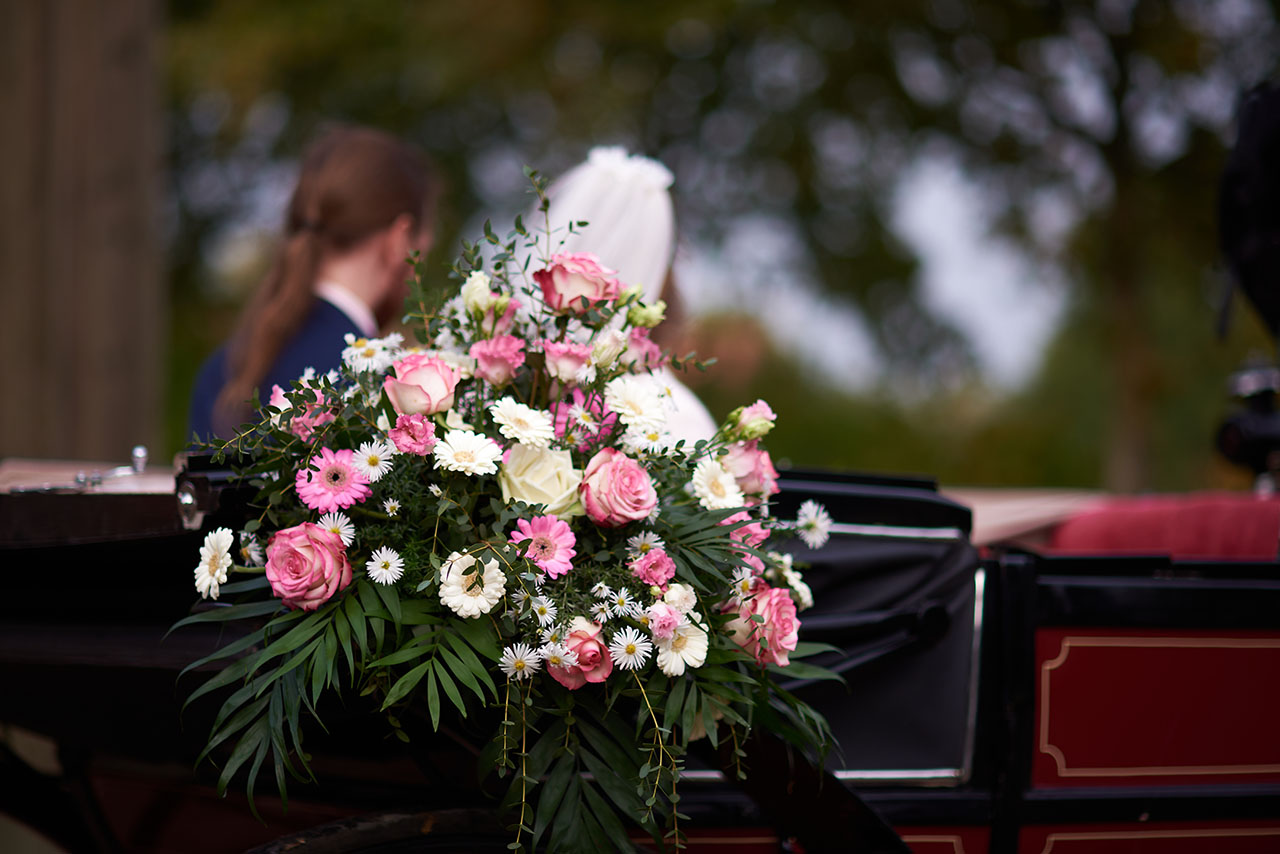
(318, 344)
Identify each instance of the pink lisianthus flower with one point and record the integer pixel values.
(304, 422)
(306, 566)
(752, 534)
(413, 434)
(616, 489)
(551, 543)
(752, 468)
(655, 568)
(641, 354)
(498, 359)
(580, 420)
(772, 640)
(573, 276)
(566, 360)
(751, 422)
(663, 620)
(331, 481)
(594, 662)
(422, 385)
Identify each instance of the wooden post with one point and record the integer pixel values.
(82, 301)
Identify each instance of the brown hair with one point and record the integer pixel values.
(353, 183)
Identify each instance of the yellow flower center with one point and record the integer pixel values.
(631, 649)
(717, 488)
(464, 456)
(679, 642)
(361, 343)
(519, 664)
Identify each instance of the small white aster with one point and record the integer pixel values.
(641, 544)
(558, 655)
(544, 610)
(391, 507)
(554, 634)
(524, 424)
(386, 566)
(813, 524)
(622, 604)
(630, 649)
(467, 452)
(649, 440)
(250, 550)
(215, 560)
(519, 598)
(637, 401)
(520, 661)
(600, 590)
(600, 612)
(373, 460)
(743, 581)
(435, 490)
(338, 523)
(716, 489)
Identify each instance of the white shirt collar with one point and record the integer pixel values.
(350, 305)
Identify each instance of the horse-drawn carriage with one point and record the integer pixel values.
(997, 699)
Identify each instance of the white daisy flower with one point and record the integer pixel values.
(600, 590)
(524, 424)
(385, 566)
(716, 489)
(338, 523)
(251, 550)
(520, 661)
(215, 560)
(600, 612)
(373, 460)
(552, 635)
(630, 649)
(687, 647)
(813, 524)
(637, 401)
(622, 604)
(743, 580)
(391, 507)
(544, 610)
(641, 544)
(649, 440)
(371, 354)
(435, 489)
(470, 588)
(804, 594)
(558, 655)
(519, 598)
(467, 452)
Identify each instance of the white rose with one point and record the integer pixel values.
(608, 347)
(476, 294)
(542, 476)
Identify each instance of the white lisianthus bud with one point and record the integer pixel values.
(476, 294)
(648, 316)
(608, 347)
(631, 294)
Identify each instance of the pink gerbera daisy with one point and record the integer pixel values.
(331, 481)
(550, 543)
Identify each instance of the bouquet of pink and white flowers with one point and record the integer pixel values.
(498, 518)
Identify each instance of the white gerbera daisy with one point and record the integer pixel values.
(544, 610)
(641, 544)
(687, 647)
(391, 507)
(338, 523)
(600, 612)
(813, 524)
(630, 649)
(470, 588)
(558, 655)
(524, 424)
(373, 460)
(385, 566)
(215, 560)
(637, 401)
(716, 489)
(250, 550)
(600, 590)
(622, 604)
(467, 452)
(520, 661)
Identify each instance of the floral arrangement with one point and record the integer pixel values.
(499, 522)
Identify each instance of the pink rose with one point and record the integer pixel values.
(497, 359)
(413, 434)
(752, 468)
(642, 354)
(663, 620)
(616, 489)
(594, 662)
(306, 565)
(304, 422)
(422, 385)
(752, 534)
(580, 420)
(772, 640)
(655, 568)
(565, 359)
(573, 276)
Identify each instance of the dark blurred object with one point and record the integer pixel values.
(1251, 437)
